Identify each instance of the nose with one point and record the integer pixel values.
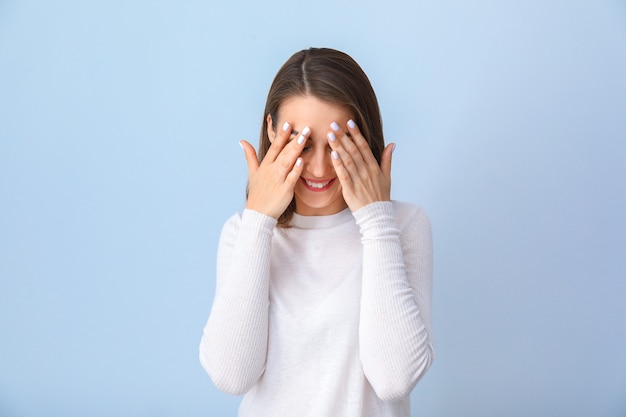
(318, 163)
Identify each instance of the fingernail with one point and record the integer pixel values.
(298, 162)
(393, 148)
(286, 126)
(351, 124)
(334, 126)
(335, 154)
(306, 131)
(331, 136)
(301, 139)
(240, 144)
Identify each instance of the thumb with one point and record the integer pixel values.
(250, 154)
(385, 160)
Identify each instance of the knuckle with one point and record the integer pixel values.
(348, 162)
(350, 146)
(344, 178)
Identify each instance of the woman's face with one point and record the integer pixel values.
(318, 191)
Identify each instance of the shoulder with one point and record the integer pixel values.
(250, 221)
(414, 226)
(233, 221)
(409, 214)
(232, 224)
(230, 229)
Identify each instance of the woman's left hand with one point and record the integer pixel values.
(362, 180)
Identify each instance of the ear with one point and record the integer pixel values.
(270, 129)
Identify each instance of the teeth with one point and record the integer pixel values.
(317, 184)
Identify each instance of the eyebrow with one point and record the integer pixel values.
(293, 134)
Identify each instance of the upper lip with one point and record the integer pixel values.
(317, 180)
(318, 184)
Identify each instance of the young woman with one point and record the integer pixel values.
(323, 297)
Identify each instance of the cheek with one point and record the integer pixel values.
(299, 187)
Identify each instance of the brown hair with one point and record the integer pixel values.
(330, 76)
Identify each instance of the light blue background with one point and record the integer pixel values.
(119, 163)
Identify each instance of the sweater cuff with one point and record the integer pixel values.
(376, 219)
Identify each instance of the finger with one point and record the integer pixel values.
(340, 170)
(293, 149)
(251, 157)
(294, 174)
(354, 143)
(349, 154)
(385, 160)
(277, 145)
(361, 143)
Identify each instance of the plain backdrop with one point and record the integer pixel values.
(119, 163)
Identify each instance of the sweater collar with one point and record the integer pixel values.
(320, 222)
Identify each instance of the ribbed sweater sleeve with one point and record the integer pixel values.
(233, 348)
(395, 335)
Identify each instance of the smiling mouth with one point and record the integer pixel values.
(317, 185)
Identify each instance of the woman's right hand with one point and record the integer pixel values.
(271, 183)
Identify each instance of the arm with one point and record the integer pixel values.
(233, 348)
(396, 344)
(395, 339)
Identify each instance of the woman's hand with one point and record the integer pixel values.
(271, 183)
(363, 181)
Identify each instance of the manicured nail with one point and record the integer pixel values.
(286, 126)
(306, 131)
(351, 124)
(298, 162)
(335, 155)
(334, 126)
(301, 139)
(393, 148)
(240, 144)
(332, 137)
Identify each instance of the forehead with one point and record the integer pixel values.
(311, 111)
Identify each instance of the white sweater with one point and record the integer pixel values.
(331, 317)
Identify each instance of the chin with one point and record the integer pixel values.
(319, 204)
